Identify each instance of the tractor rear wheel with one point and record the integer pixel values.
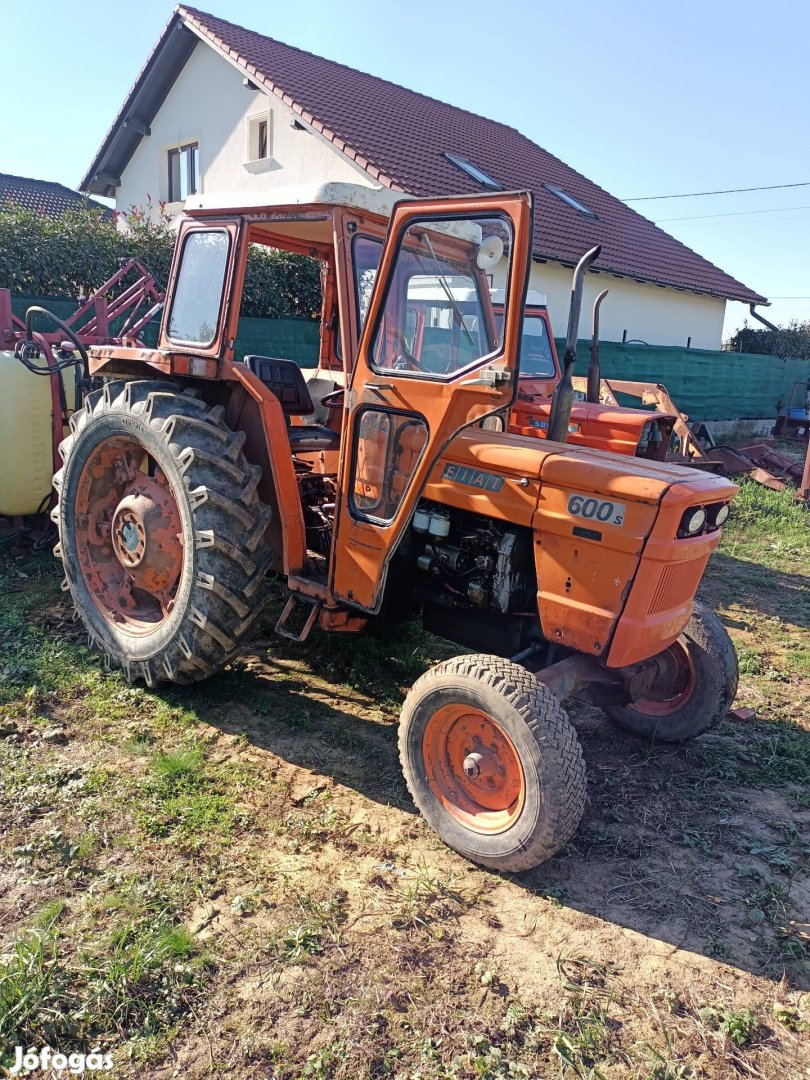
(161, 532)
(492, 762)
(698, 687)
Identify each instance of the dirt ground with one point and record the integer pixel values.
(232, 880)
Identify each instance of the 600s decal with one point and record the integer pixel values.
(592, 509)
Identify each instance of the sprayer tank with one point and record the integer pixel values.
(26, 438)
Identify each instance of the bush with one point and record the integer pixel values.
(792, 340)
(72, 255)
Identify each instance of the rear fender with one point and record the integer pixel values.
(253, 409)
(136, 362)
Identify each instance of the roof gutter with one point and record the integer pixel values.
(761, 318)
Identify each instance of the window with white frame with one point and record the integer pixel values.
(260, 136)
(184, 171)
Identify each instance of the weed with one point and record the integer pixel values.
(184, 796)
(140, 977)
(751, 663)
(36, 997)
(424, 898)
(719, 949)
(319, 922)
(790, 1017)
(740, 1025)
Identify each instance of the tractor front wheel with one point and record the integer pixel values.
(698, 684)
(161, 532)
(492, 762)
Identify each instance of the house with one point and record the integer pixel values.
(221, 109)
(43, 196)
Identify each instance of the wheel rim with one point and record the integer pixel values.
(675, 685)
(473, 769)
(129, 535)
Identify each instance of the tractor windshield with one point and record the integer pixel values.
(536, 358)
(437, 314)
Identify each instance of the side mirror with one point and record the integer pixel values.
(490, 253)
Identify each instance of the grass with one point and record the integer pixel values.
(230, 878)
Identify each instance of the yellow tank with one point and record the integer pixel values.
(26, 437)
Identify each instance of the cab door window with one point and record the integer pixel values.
(434, 320)
(388, 446)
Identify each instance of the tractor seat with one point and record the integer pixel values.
(285, 380)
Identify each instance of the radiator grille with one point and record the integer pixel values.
(677, 583)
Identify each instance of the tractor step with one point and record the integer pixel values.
(294, 604)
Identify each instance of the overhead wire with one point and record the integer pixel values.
(726, 191)
(733, 213)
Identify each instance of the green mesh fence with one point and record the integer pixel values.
(291, 339)
(706, 385)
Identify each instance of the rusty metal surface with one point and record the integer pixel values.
(764, 464)
(130, 535)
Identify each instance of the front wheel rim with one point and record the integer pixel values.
(676, 684)
(473, 769)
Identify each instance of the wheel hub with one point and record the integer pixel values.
(129, 535)
(145, 528)
(674, 684)
(474, 768)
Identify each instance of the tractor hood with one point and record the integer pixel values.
(500, 475)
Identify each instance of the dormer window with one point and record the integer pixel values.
(480, 177)
(571, 201)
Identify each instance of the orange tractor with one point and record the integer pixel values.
(380, 489)
(637, 432)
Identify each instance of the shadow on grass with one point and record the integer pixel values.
(678, 843)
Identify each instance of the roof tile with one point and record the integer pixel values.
(44, 196)
(400, 137)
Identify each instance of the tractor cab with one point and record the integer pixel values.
(345, 453)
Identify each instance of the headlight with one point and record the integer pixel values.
(692, 521)
(720, 516)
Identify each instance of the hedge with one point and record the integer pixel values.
(72, 255)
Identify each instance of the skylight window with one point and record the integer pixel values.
(570, 200)
(480, 177)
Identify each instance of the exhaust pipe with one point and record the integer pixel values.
(563, 399)
(594, 370)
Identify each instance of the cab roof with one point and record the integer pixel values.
(374, 200)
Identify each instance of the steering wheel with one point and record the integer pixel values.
(66, 330)
(334, 399)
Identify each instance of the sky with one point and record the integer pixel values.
(645, 98)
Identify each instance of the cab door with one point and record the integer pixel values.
(426, 368)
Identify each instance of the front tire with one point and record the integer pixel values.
(492, 762)
(702, 684)
(161, 532)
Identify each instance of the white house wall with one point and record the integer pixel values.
(208, 104)
(659, 316)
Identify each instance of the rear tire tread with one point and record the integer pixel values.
(229, 526)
